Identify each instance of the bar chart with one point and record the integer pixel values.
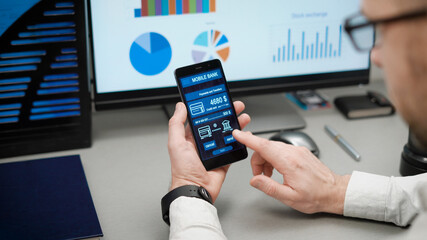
(174, 7)
(311, 45)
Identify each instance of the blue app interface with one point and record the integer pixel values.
(211, 113)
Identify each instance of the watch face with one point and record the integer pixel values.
(205, 194)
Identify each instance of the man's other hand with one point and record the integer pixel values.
(308, 185)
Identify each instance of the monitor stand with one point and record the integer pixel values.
(269, 113)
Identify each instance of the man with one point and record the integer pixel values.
(309, 186)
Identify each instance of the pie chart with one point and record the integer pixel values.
(210, 45)
(150, 54)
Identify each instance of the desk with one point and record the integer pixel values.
(128, 172)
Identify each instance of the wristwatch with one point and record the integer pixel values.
(184, 191)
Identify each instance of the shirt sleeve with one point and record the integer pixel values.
(193, 218)
(388, 199)
(417, 230)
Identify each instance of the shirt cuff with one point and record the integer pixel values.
(191, 218)
(366, 196)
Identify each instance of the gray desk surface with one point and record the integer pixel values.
(128, 172)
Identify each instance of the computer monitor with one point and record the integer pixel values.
(265, 46)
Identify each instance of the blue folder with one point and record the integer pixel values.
(46, 199)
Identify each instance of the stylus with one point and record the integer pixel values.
(343, 143)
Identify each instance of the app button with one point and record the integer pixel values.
(209, 145)
(222, 150)
(229, 139)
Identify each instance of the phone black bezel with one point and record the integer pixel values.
(227, 158)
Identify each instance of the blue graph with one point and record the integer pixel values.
(315, 48)
(150, 54)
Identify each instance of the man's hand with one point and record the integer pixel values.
(187, 168)
(308, 185)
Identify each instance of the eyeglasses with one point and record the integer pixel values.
(361, 29)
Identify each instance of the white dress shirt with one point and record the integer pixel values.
(388, 199)
(193, 218)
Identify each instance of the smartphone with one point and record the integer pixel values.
(211, 114)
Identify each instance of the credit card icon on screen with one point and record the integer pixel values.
(197, 108)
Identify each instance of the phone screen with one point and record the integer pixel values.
(211, 113)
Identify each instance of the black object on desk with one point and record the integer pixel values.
(372, 104)
(44, 89)
(414, 157)
(46, 199)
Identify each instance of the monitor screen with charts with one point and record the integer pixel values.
(265, 46)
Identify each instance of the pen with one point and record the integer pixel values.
(343, 143)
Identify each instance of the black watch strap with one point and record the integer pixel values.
(184, 191)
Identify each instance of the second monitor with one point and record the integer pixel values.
(268, 46)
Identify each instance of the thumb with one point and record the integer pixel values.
(272, 188)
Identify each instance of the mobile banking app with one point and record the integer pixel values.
(211, 113)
